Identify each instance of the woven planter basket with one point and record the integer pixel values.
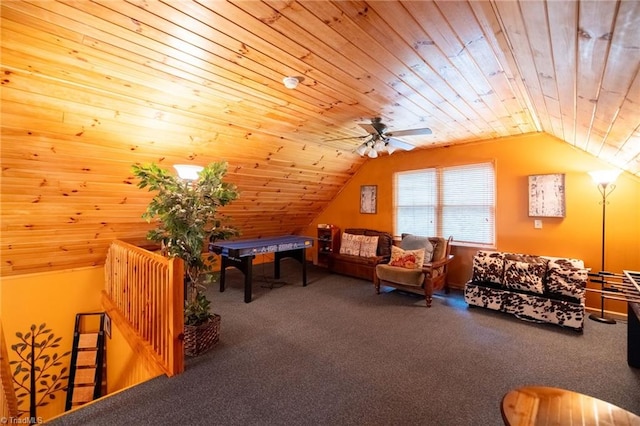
(200, 338)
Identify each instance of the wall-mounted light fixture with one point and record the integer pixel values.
(188, 171)
(290, 82)
(605, 180)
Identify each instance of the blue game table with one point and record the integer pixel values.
(240, 254)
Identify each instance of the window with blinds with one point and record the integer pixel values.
(458, 201)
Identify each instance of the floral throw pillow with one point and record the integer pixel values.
(350, 244)
(410, 259)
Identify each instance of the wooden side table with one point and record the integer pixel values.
(539, 405)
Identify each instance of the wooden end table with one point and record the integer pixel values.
(539, 405)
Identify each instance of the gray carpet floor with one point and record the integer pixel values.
(335, 353)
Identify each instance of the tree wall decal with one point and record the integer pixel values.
(38, 374)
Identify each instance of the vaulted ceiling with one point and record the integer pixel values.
(91, 87)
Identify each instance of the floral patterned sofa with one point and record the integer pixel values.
(538, 288)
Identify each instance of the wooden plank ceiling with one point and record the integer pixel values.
(91, 87)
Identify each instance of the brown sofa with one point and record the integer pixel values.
(359, 266)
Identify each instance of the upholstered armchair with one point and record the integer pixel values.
(408, 271)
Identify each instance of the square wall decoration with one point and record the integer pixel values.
(546, 195)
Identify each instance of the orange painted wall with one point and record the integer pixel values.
(53, 298)
(123, 366)
(577, 235)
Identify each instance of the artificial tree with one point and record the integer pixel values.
(187, 220)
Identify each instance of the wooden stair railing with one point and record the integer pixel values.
(8, 399)
(146, 291)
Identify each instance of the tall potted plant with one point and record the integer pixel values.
(187, 219)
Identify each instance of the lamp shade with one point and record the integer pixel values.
(604, 177)
(188, 171)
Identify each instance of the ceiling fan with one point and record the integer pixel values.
(379, 140)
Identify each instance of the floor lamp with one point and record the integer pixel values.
(605, 180)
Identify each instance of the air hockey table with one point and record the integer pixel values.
(240, 254)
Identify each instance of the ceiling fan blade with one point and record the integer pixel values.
(397, 143)
(410, 132)
(350, 137)
(368, 127)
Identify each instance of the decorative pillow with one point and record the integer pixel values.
(414, 242)
(522, 272)
(564, 262)
(369, 246)
(488, 266)
(410, 259)
(566, 280)
(350, 244)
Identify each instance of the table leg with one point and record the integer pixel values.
(248, 277)
(304, 268)
(244, 264)
(277, 257)
(633, 334)
(298, 254)
(223, 267)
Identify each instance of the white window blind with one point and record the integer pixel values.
(415, 202)
(457, 201)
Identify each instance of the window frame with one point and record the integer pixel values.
(438, 208)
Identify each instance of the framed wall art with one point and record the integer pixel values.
(107, 324)
(547, 195)
(368, 198)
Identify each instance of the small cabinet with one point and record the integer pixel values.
(328, 241)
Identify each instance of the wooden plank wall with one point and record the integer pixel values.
(71, 133)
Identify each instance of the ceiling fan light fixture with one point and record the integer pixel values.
(362, 149)
(379, 141)
(290, 82)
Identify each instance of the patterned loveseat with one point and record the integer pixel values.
(538, 288)
(360, 251)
